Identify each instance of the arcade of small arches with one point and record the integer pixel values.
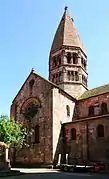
(98, 109)
(57, 77)
(71, 76)
(99, 132)
(72, 58)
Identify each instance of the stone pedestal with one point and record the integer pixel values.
(4, 161)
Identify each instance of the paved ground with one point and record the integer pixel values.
(53, 174)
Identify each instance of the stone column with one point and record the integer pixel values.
(72, 58)
(64, 73)
(80, 76)
(64, 58)
(79, 58)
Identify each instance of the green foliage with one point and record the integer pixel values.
(4, 117)
(12, 133)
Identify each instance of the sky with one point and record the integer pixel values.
(27, 28)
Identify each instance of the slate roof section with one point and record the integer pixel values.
(95, 92)
(66, 34)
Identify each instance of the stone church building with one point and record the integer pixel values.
(69, 122)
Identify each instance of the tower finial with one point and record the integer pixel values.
(66, 7)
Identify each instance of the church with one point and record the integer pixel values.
(69, 122)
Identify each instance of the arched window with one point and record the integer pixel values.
(73, 134)
(75, 58)
(100, 130)
(85, 65)
(103, 108)
(83, 62)
(76, 76)
(68, 75)
(54, 62)
(36, 134)
(53, 78)
(68, 110)
(59, 60)
(72, 75)
(91, 110)
(68, 57)
(84, 80)
(60, 75)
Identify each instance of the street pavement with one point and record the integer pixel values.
(54, 174)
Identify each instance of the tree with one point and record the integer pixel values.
(12, 133)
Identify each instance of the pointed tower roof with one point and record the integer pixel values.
(66, 33)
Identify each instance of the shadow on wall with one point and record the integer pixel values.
(60, 154)
(62, 150)
(76, 112)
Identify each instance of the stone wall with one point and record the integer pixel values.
(60, 102)
(75, 89)
(87, 146)
(41, 91)
(83, 105)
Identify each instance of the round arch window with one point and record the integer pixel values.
(31, 110)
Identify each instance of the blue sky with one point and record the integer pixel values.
(27, 28)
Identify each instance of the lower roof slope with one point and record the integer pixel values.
(94, 92)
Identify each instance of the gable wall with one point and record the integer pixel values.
(40, 152)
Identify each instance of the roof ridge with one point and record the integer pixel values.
(64, 27)
(53, 84)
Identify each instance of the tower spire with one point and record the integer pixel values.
(66, 33)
